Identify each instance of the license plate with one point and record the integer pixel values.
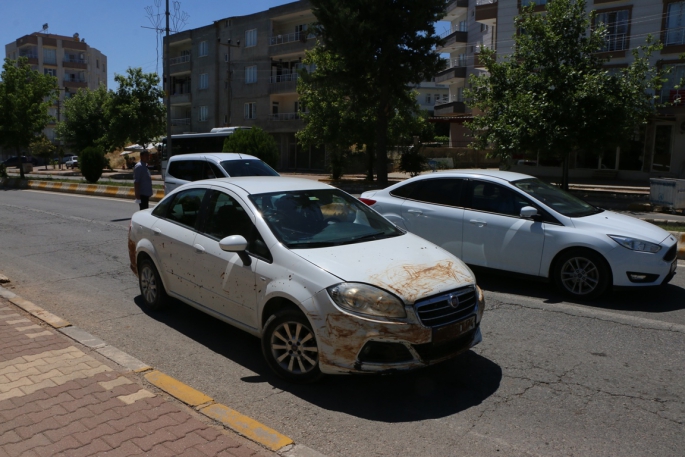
(452, 331)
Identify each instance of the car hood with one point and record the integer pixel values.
(408, 266)
(619, 224)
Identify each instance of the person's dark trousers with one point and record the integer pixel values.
(144, 200)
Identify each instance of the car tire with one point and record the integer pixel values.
(582, 273)
(151, 287)
(290, 348)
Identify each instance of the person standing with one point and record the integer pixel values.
(142, 180)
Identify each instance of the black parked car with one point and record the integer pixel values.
(14, 161)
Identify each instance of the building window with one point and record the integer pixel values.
(97, 63)
(203, 113)
(50, 71)
(250, 110)
(616, 23)
(675, 24)
(428, 99)
(251, 74)
(204, 81)
(49, 56)
(250, 38)
(669, 91)
(104, 68)
(203, 49)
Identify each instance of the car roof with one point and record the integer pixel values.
(471, 173)
(266, 184)
(220, 156)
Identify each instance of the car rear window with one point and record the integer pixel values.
(248, 167)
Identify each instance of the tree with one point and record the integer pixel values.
(256, 142)
(552, 97)
(136, 112)
(43, 148)
(85, 120)
(383, 46)
(91, 162)
(25, 96)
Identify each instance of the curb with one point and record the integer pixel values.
(76, 188)
(201, 403)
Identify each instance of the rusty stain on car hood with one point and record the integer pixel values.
(406, 265)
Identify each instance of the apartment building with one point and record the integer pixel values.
(242, 70)
(430, 94)
(658, 150)
(75, 64)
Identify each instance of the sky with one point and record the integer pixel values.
(115, 27)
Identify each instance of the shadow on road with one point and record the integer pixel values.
(644, 299)
(431, 393)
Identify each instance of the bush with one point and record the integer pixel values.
(442, 139)
(256, 142)
(412, 161)
(91, 162)
(3, 170)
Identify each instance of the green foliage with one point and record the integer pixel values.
(91, 162)
(256, 142)
(3, 170)
(413, 161)
(441, 139)
(136, 112)
(43, 148)
(25, 96)
(378, 48)
(85, 120)
(552, 97)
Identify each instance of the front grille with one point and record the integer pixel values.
(437, 311)
(671, 253)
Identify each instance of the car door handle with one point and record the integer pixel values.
(156, 231)
(199, 248)
(418, 212)
(478, 223)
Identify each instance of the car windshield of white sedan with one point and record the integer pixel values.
(560, 201)
(320, 218)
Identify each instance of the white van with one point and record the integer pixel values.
(185, 168)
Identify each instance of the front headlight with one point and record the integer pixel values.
(481, 303)
(635, 245)
(366, 299)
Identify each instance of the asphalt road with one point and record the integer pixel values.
(550, 378)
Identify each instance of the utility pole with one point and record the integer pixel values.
(229, 74)
(167, 82)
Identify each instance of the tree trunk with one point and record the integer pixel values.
(371, 160)
(21, 165)
(564, 172)
(381, 144)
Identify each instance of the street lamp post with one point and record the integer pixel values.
(229, 91)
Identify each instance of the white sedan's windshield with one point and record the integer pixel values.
(560, 201)
(318, 218)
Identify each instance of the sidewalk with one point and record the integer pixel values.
(59, 397)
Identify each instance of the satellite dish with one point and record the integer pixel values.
(45, 26)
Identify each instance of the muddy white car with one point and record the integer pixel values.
(328, 284)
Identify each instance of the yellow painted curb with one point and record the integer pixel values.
(40, 313)
(177, 389)
(247, 427)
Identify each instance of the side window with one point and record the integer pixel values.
(185, 207)
(493, 198)
(216, 170)
(227, 217)
(407, 190)
(439, 191)
(188, 170)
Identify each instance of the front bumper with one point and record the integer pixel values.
(641, 269)
(352, 344)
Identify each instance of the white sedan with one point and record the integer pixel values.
(517, 223)
(328, 284)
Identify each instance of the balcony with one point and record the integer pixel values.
(179, 59)
(452, 74)
(78, 45)
(31, 56)
(71, 61)
(181, 98)
(449, 108)
(180, 64)
(477, 64)
(486, 11)
(454, 40)
(456, 9)
(290, 43)
(283, 84)
(284, 117)
(180, 121)
(27, 41)
(75, 81)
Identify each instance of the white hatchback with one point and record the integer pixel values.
(185, 168)
(328, 284)
(515, 222)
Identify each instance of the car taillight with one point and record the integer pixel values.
(368, 201)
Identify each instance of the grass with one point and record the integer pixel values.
(671, 228)
(101, 182)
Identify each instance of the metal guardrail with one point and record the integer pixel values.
(289, 38)
(285, 116)
(283, 78)
(180, 59)
(181, 121)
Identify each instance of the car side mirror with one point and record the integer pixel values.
(528, 212)
(237, 244)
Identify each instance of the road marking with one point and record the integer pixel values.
(177, 389)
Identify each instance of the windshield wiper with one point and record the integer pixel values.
(370, 236)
